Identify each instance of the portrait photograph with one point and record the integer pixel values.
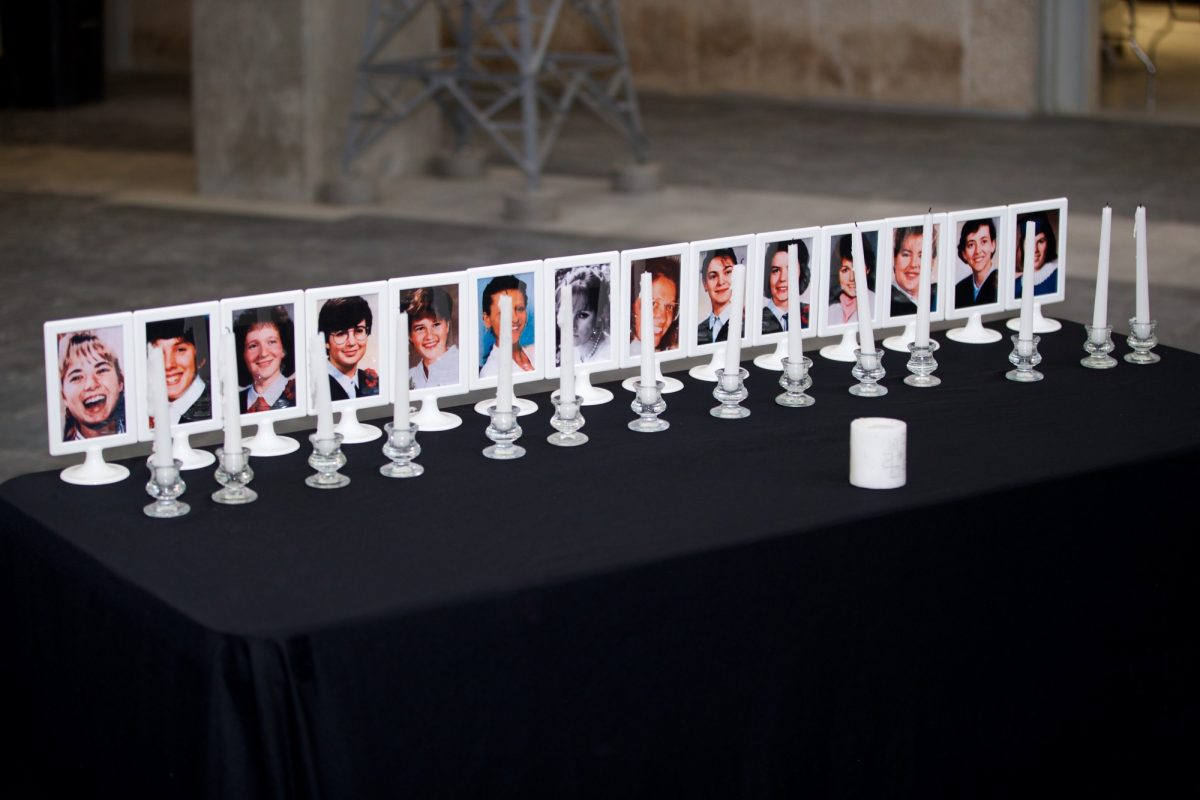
(665, 265)
(1049, 218)
(88, 375)
(767, 293)
(708, 281)
(591, 281)
(521, 283)
(839, 302)
(436, 358)
(188, 339)
(355, 327)
(978, 261)
(270, 354)
(904, 247)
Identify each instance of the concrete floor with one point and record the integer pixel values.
(97, 211)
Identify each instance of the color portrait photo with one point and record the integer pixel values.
(91, 380)
(350, 327)
(521, 288)
(266, 347)
(433, 335)
(184, 344)
(664, 289)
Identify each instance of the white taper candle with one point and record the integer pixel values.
(925, 284)
(504, 376)
(733, 346)
(566, 349)
(866, 336)
(1026, 327)
(1143, 272)
(1100, 309)
(794, 341)
(229, 395)
(156, 379)
(646, 330)
(401, 407)
(318, 374)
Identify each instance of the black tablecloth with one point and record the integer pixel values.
(712, 610)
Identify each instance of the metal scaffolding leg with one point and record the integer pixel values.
(499, 77)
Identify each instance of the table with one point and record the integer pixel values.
(712, 611)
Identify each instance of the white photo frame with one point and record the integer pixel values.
(80, 391)
(482, 363)
(736, 249)
(904, 259)
(958, 275)
(236, 316)
(202, 323)
(440, 377)
(374, 366)
(633, 262)
(759, 291)
(831, 322)
(1052, 216)
(596, 280)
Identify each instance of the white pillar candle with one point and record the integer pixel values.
(566, 350)
(156, 379)
(319, 375)
(229, 395)
(733, 346)
(925, 284)
(878, 453)
(646, 331)
(795, 343)
(1100, 310)
(1143, 275)
(1026, 328)
(504, 376)
(866, 336)
(402, 405)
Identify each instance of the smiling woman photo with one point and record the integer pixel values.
(907, 251)
(93, 387)
(265, 340)
(432, 337)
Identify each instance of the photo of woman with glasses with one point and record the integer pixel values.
(664, 290)
(346, 324)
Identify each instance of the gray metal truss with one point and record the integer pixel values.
(498, 75)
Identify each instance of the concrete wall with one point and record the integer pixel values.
(272, 83)
(967, 54)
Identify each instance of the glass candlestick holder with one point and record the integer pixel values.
(1024, 357)
(730, 391)
(795, 381)
(165, 486)
(400, 445)
(648, 403)
(327, 458)
(868, 371)
(1098, 345)
(566, 422)
(504, 431)
(234, 475)
(922, 365)
(1142, 340)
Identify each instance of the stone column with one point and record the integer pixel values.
(272, 84)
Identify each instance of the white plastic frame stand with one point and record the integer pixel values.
(432, 418)
(773, 361)
(669, 385)
(188, 456)
(901, 341)
(94, 471)
(521, 406)
(589, 395)
(353, 431)
(708, 372)
(843, 350)
(974, 332)
(266, 442)
(1040, 324)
